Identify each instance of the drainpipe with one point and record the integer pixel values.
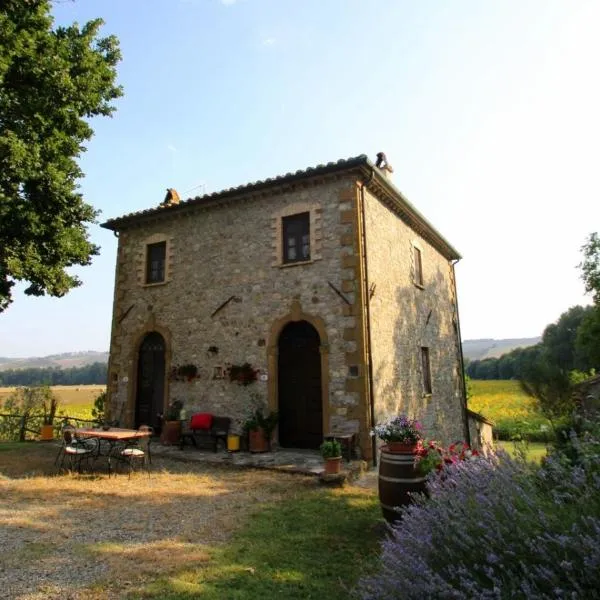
(368, 314)
(461, 359)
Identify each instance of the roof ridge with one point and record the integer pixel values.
(332, 166)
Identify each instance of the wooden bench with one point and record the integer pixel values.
(205, 431)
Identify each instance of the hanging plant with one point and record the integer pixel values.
(243, 374)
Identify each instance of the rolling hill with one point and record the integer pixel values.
(61, 361)
(472, 350)
(480, 349)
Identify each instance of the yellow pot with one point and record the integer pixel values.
(233, 443)
(47, 433)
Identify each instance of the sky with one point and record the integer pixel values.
(489, 113)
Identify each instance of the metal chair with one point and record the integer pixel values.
(75, 450)
(138, 450)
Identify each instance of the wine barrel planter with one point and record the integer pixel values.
(398, 479)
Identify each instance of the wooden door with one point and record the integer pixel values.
(150, 381)
(299, 385)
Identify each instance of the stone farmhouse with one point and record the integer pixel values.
(333, 291)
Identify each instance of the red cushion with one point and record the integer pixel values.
(201, 421)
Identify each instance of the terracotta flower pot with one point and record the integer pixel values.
(47, 433)
(171, 433)
(257, 442)
(400, 448)
(333, 465)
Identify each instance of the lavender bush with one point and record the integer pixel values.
(496, 528)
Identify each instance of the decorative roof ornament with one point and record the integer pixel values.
(382, 163)
(171, 198)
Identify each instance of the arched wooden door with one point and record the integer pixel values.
(150, 381)
(299, 385)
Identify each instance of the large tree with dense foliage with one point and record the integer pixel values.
(588, 334)
(590, 266)
(52, 80)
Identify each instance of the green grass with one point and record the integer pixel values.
(315, 544)
(533, 451)
(510, 409)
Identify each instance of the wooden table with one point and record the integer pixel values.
(113, 436)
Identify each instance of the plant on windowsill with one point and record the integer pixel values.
(259, 428)
(171, 423)
(243, 374)
(331, 451)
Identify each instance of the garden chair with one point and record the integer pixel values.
(75, 450)
(138, 450)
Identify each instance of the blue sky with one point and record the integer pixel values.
(489, 113)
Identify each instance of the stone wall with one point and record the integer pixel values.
(225, 292)
(406, 317)
(481, 432)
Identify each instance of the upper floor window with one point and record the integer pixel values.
(155, 262)
(296, 238)
(418, 266)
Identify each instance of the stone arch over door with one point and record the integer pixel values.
(305, 323)
(150, 379)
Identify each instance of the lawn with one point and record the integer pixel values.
(188, 531)
(510, 409)
(532, 451)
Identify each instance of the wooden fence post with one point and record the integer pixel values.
(22, 428)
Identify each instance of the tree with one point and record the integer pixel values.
(550, 386)
(588, 335)
(587, 343)
(559, 338)
(52, 80)
(590, 266)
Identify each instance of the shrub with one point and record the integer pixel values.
(497, 528)
(331, 449)
(37, 405)
(99, 410)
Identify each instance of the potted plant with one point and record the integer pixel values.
(171, 426)
(259, 428)
(331, 451)
(400, 434)
(49, 408)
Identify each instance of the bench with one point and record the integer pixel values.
(205, 430)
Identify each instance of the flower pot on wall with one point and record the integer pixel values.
(47, 433)
(171, 433)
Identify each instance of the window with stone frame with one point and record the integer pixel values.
(155, 262)
(296, 238)
(418, 266)
(426, 368)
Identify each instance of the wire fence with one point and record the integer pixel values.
(22, 427)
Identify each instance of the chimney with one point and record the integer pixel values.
(383, 165)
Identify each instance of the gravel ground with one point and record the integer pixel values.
(88, 536)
